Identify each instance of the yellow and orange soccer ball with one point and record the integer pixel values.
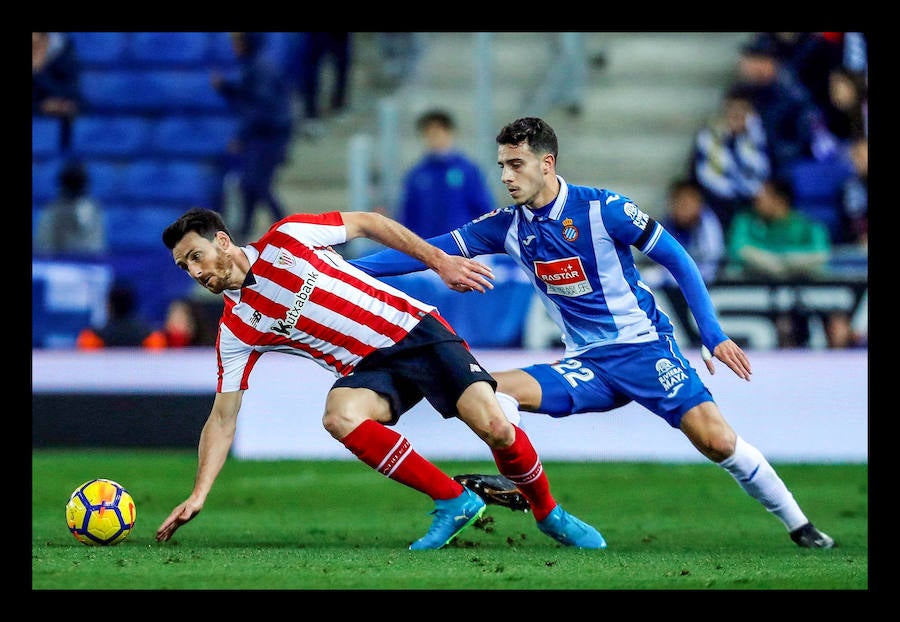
(100, 512)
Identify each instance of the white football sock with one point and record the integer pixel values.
(756, 476)
(510, 406)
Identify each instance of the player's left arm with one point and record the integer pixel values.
(458, 273)
(665, 250)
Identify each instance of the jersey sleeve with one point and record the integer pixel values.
(486, 235)
(322, 229)
(628, 224)
(666, 251)
(391, 262)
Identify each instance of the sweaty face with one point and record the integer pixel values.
(522, 172)
(205, 261)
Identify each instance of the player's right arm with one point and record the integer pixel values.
(215, 443)
(458, 272)
(482, 236)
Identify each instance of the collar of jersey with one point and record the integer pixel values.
(556, 207)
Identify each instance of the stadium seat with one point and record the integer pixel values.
(193, 136)
(221, 54)
(117, 91)
(44, 184)
(138, 227)
(107, 180)
(36, 210)
(150, 92)
(103, 136)
(817, 190)
(182, 183)
(101, 50)
(45, 135)
(166, 49)
(186, 91)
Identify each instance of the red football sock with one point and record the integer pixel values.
(520, 463)
(389, 453)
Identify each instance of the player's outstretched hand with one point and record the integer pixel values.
(462, 274)
(731, 354)
(179, 516)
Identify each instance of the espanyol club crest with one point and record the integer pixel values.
(569, 231)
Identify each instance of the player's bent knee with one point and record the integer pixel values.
(346, 409)
(709, 432)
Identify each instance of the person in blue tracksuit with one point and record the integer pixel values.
(444, 188)
(575, 243)
(260, 97)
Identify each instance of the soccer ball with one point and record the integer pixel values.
(100, 512)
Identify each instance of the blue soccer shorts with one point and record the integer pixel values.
(654, 374)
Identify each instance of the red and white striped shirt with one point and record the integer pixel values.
(308, 301)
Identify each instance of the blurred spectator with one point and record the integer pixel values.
(805, 57)
(313, 49)
(123, 327)
(774, 240)
(855, 194)
(445, 188)
(55, 80)
(186, 325)
(846, 108)
(730, 157)
(696, 227)
(841, 333)
(564, 81)
(260, 96)
(73, 222)
(400, 56)
(792, 122)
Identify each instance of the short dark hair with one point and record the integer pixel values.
(205, 222)
(435, 115)
(536, 132)
(740, 91)
(680, 184)
(73, 179)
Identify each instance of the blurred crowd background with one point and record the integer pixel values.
(751, 147)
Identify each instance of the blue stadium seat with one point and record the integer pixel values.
(44, 184)
(139, 227)
(105, 136)
(36, 210)
(100, 50)
(107, 180)
(45, 134)
(192, 91)
(117, 91)
(182, 183)
(221, 54)
(817, 190)
(150, 92)
(162, 49)
(193, 136)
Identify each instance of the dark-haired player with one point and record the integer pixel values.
(575, 243)
(290, 292)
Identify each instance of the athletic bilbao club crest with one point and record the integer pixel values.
(284, 259)
(569, 231)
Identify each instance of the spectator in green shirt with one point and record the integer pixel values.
(773, 240)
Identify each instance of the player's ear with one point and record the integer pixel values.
(222, 239)
(548, 161)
